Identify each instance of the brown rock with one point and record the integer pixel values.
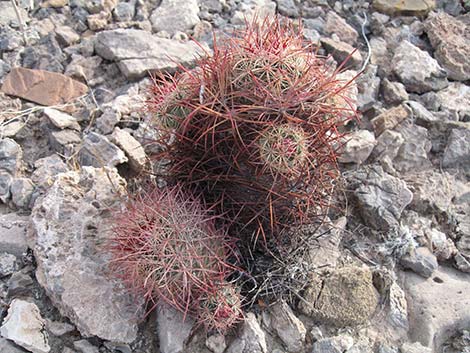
(405, 7)
(342, 51)
(42, 87)
(390, 118)
(336, 24)
(450, 39)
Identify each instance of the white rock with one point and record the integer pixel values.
(61, 120)
(336, 344)
(25, 326)
(358, 147)
(216, 343)
(251, 338)
(457, 151)
(131, 147)
(13, 234)
(288, 327)
(98, 151)
(175, 15)
(172, 329)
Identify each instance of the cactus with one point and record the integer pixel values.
(259, 135)
(166, 247)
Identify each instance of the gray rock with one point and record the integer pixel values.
(173, 329)
(358, 147)
(8, 15)
(394, 92)
(124, 11)
(64, 141)
(11, 129)
(414, 348)
(288, 327)
(4, 68)
(19, 284)
(382, 198)
(131, 147)
(59, 328)
(5, 184)
(336, 24)
(417, 70)
(25, 326)
(341, 51)
(345, 297)
(216, 343)
(438, 307)
(421, 114)
(11, 156)
(137, 52)
(21, 192)
(85, 68)
(387, 146)
(8, 264)
(336, 344)
(390, 118)
(85, 347)
(420, 260)
(287, 8)
(108, 120)
(66, 36)
(175, 15)
(457, 151)
(405, 7)
(13, 234)
(96, 6)
(413, 152)
(68, 228)
(46, 169)
(442, 247)
(98, 151)
(368, 85)
(61, 120)
(455, 99)
(247, 9)
(251, 338)
(7, 347)
(450, 39)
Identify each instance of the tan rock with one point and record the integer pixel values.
(405, 7)
(336, 24)
(342, 51)
(390, 118)
(42, 87)
(131, 147)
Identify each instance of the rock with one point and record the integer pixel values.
(358, 147)
(368, 86)
(394, 92)
(8, 15)
(131, 147)
(405, 7)
(11, 156)
(387, 146)
(216, 343)
(11, 129)
(83, 68)
(4, 68)
(438, 307)
(85, 347)
(13, 234)
(59, 328)
(390, 118)
(68, 228)
(62, 120)
(21, 192)
(46, 169)
(96, 6)
(5, 184)
(346, 297)
(249, 9)
(288, 327)
(417, 70)
(336, 344)
(25, 326)
(42, 87)
(66, 36)
(19, 284)
(341, 51)
(63, 141)
(98, 21)
(7, 347)
(455, 99)
(413, 152)
(442, 247)
(98, 151)
(420, 260)
(137, 52)
(124, 11)
(8, 264)
(336, 24)
(175, 15)
(173, 329)
(108, 120)
(287, 8)
(251, 338)
(414, 348)
(450, 39)
(457, 151)
(381, 198)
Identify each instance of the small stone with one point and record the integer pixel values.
(42, 87)
(96, 6)
(4, 68)
(251, 338)
(98, 151)
(341, 51)
(61, 120)
(8, 15)
(5, 184)
(427, 76)
(288, 327)
(8, 264)
(25, 326)
(455, 99)
(11, 129)
(358, 147)
(63, 141)
(405, 7)
(388, 145)
(336, 24)
(84, 346)
(413, 152)
(98, 22)
(11, 156)
(336, 344)
(287, 8)
(345, 297)
(368, 85)
(420, 260)
(216, 343)
(457, 151)
(59, 328)
(175, 15)
(131, 147)
(7, 347)
(124, 11)
(83, 68)
(108, 120)
(450, 39)
(55, 3)
(66, 36)
(394, 92)
(414, 348)
(46, 169)
(13, 234)
(390, 118)
(173, 329)
(21, 192)
(19, 284)
(442, 247)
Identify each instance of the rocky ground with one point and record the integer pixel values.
(394, 269)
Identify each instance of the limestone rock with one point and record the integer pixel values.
(251, 338)
(61, 120)
(175, 15)
(131, 147)
(457, 151)
(450, 39)
(358, 147)
(288, 327)
(405, 7)
(346, 297)
(8, 264)
(68, 228)
(173, 329)
(42, 87)
(137, 52)
(25, 326)
(417, 70)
